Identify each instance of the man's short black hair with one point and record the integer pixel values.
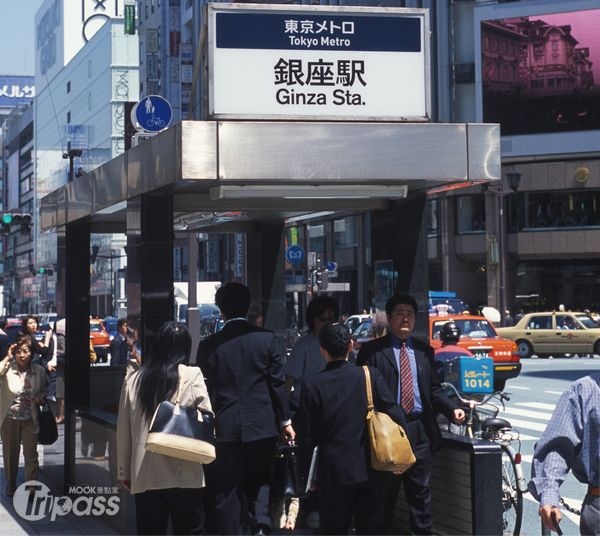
(335, 338)
(2, 322)
(233, 299)
(397, 299)
(121, 322)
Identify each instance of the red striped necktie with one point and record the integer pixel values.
(407, 396)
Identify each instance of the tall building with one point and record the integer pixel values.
(87, 70)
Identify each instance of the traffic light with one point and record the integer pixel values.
(22, 219)
(322, 280)
(45, 271)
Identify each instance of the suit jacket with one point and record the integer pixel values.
(332, 413)
(148, 470)
(379, 353)
(119, 350)
(244, 373)
(11, 384)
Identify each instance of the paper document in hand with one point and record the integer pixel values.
(311, 481)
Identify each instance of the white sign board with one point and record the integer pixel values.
(318, 63)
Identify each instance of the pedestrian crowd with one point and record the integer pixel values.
(317, 398)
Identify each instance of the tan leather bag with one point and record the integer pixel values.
(390, 447)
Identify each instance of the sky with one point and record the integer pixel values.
(17, 36)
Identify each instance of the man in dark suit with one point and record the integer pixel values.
(118, 346)
(332, 415)
(244, 376)
(406, 363)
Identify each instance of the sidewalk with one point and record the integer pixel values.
(11, 523)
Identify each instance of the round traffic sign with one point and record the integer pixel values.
(153, 113)
(294, 254)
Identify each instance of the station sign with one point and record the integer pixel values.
(294, 255)
(318, 62)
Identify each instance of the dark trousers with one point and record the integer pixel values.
(363, 501)
(183, 506)
(243, 472)
(416, 483)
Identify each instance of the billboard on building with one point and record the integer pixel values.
(15, 90)
(318, 62)
(63, 27)
(540, 72)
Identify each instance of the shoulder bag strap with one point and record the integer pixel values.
(369, 391)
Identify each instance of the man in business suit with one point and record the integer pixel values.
(332, 415)
(406, 363)
(244, 373)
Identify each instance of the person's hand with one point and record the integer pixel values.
(550, 514)
(11, 353)
(288, 433)
(459, 416)
(51, 368)
(40, 400)
(126, 484)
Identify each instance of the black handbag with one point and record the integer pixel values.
(48, 433)
(182, 432)
(287, 479)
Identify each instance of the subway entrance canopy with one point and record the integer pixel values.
(270, 170)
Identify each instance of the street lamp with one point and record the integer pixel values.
(514, 179)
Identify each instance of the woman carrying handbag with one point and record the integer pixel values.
(164, 487)
(22, 388)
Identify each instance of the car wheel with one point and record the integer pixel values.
(524, 349)
(597, 348)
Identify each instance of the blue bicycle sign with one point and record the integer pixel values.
(153, 113)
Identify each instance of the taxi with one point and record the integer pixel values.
(554, 333)
(479, 336)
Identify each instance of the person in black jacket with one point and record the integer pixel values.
(332, 415)
(244, 376)
(406, 363)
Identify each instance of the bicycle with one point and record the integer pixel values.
(501, 432)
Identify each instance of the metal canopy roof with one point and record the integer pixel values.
(278, 169)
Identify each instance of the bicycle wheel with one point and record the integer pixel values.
(512, 497)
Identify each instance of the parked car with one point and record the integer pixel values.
(556, 332)
(210, 325)
(354, 320)
(100, 339)
(479, 336)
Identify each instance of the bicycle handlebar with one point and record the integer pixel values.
(470, 401)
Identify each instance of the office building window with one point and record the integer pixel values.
(552, 210)
(470, 213)
(433, 217)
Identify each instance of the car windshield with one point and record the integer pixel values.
(364, 329)
(472, 328)
(96, 326)
(587, 321)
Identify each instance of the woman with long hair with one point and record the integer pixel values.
(163, 487)
(39, 355)
(22, 389)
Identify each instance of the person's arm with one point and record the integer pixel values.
(278, 390)
(5, 363)
(200, 393)
(555, 453)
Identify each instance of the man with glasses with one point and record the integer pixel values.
(406, 364)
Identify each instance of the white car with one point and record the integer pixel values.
(354, 320)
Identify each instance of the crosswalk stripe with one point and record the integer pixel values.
(527, 413)
(536, 405)
(527, 458)
(529, 425)
(553, 392)
(525, 437)
(518, 387)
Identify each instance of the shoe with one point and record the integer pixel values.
(263, 530)
(99, 458)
